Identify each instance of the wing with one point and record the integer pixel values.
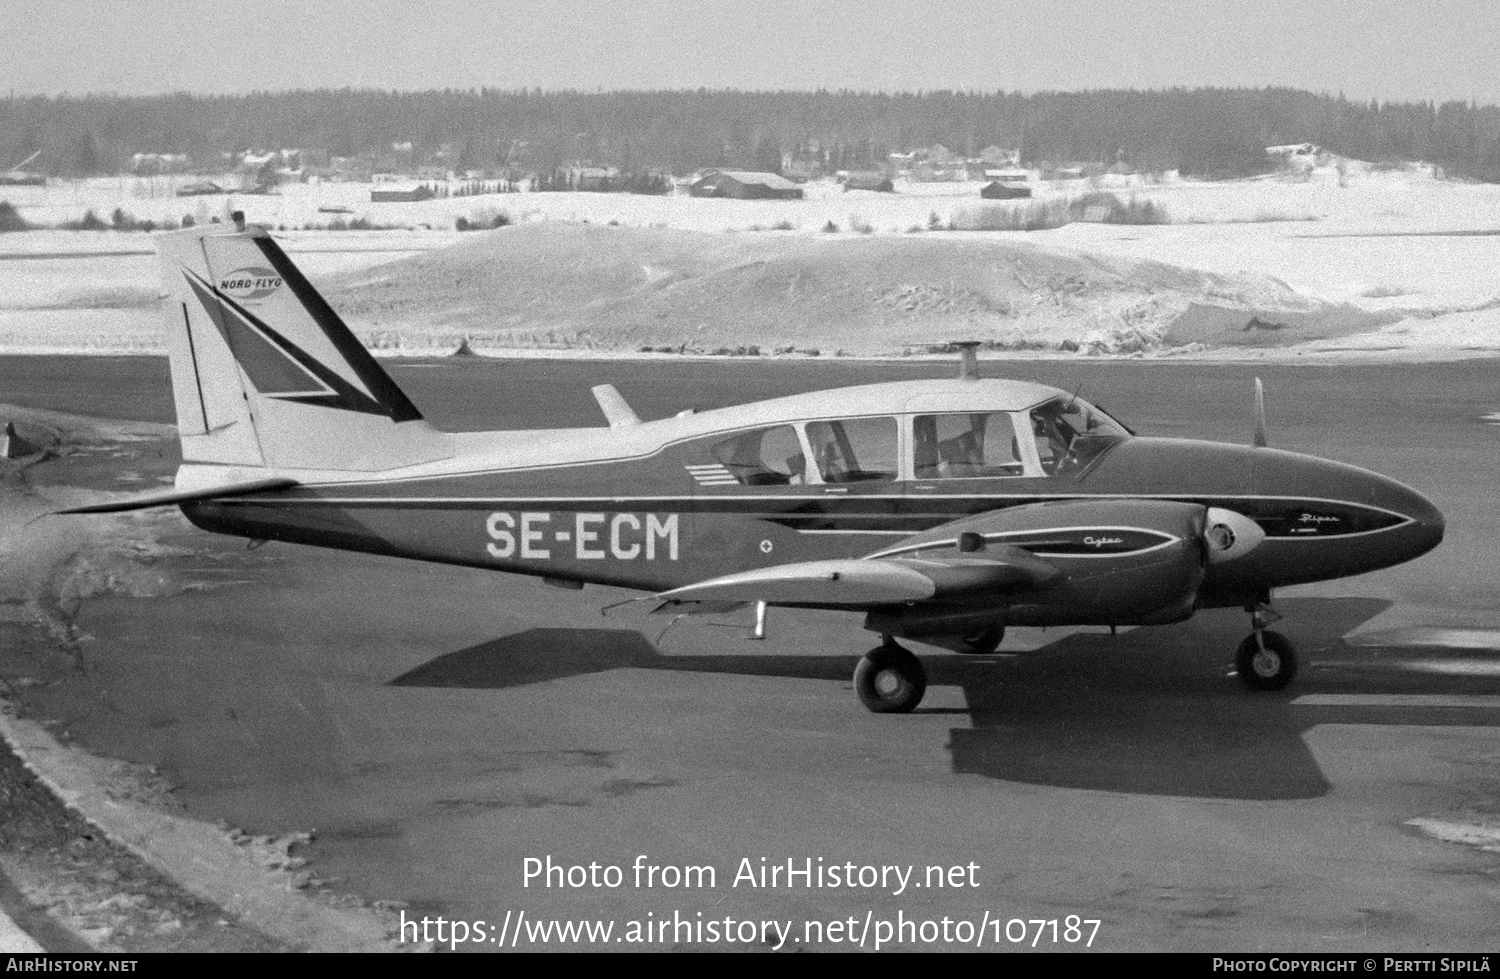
(861, 583)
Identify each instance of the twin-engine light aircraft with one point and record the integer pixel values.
(943, 510)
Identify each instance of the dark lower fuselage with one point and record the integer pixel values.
(648, 524)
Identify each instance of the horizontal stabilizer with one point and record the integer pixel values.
(172, 497)
(617, 410)
(865, 583)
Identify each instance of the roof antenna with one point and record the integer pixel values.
(968, 366)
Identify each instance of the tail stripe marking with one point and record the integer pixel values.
(313, 384)
(273, 371)
(393, 400)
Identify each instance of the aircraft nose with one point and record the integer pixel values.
(1427, 517)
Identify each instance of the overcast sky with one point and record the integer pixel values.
(1386, 49)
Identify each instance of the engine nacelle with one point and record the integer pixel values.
(1121, 562)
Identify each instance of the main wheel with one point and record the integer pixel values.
(982, 642)
(1269, 668)
(890, 680)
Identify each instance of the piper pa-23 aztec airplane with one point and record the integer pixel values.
(944, 510)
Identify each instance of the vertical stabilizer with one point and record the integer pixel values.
(266, 374)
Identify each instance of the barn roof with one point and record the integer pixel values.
(774, 181)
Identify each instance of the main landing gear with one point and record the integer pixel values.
(889, 679)
(1266, 660)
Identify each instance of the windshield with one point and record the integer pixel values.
(1071, 433)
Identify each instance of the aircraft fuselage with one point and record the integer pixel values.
(655, 522)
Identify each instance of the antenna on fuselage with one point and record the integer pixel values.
(1259, 439)
(968, 365)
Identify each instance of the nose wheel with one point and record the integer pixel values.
(890, 680)
(1266, 660)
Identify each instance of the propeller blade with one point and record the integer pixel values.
(1259, 441)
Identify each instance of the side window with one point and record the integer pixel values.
(965, 445)
(854, 450)
(764, 457)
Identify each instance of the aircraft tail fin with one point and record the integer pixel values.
(265, 374)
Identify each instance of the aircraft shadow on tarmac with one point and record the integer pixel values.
(1153, 711)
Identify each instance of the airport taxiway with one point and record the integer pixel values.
(437, 727)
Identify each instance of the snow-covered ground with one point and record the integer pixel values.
(1397, 242)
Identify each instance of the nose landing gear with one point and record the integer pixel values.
(1266, 660)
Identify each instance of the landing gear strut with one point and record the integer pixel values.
(889, 679)
(1266, 660)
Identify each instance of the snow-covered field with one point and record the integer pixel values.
(1417, 252)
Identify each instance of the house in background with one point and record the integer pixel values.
(1004, 190)
(744, 185)
(391, 193)
(866, 180)
(201, 188)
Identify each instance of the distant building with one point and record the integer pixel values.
(1000, 156)
(592, 178)
(201, 188)
(1292, 149)
(866, 180)
(251, 161)
(901, 161)
(1294, 156)
(999, 190)
(397, 193)
(929, 172)
(744, 185)
(150, 163)
(801, 171)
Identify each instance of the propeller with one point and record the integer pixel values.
(1259, 440)
(1229, 535)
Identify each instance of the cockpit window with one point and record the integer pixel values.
(854, 450)
(968, 445)
(764, 457)
(1071, 433)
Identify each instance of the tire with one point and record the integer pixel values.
(1271, 669)
(981, 643)
(890, 680)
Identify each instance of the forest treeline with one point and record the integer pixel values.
(1206, 132)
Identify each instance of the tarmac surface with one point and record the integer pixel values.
(437, 727)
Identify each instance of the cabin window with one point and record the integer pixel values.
(854, 450)
(1071, 433)
(764, 457)
(957, 446)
